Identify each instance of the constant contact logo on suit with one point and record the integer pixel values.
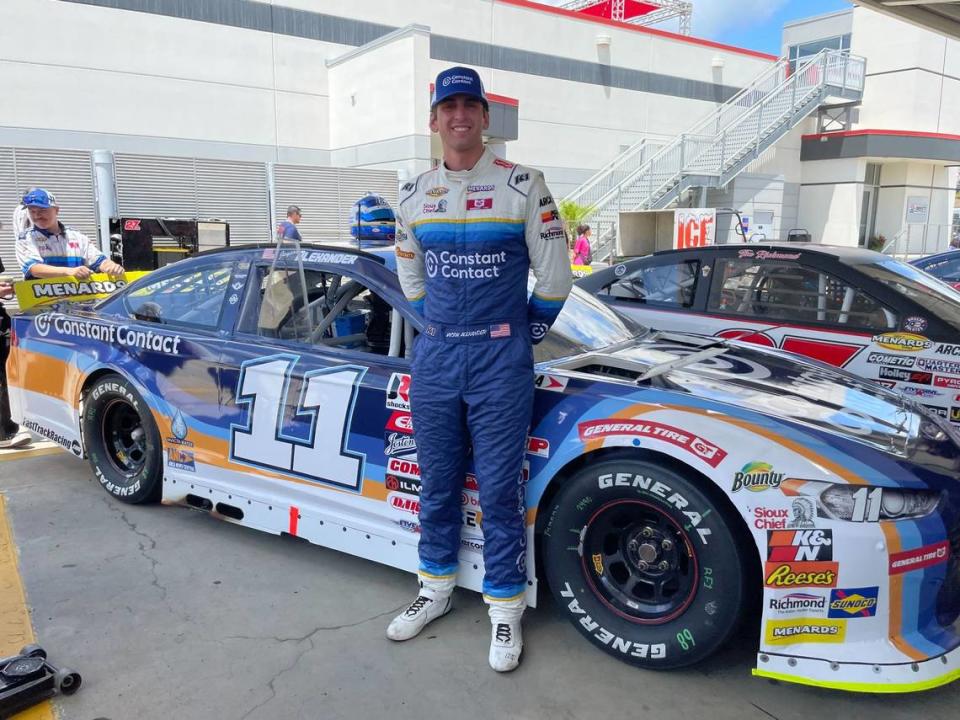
(465, 266)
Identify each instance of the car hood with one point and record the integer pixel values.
(767, 381)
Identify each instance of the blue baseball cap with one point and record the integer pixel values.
(458, 80)
(38, 197)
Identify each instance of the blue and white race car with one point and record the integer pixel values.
(674, 482)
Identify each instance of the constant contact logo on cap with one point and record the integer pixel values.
(458, 81)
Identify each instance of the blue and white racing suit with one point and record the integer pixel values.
(65, 248)
(466, 242)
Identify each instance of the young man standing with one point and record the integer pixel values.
(468, 232)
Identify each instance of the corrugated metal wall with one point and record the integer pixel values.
(68, 174)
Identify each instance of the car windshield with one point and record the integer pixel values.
(585, 324)
(937, 298)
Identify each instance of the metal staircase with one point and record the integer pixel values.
(652, 175)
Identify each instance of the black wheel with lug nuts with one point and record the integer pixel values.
(122, 441)
(644, 563)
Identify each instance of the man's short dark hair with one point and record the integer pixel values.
(293, 209)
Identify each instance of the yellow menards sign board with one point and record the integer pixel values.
(36, 292)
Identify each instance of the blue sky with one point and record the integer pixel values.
(753, 24)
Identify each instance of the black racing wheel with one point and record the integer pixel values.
(644, 563)
(122, 441)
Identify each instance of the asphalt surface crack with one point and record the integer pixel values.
(305, 638)
(143, 544)
(765, 712)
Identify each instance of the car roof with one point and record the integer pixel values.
(246, 247)
(850, 255)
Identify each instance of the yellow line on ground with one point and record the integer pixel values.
(22, 454)
(15, 628)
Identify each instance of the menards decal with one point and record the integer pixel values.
(36, 292)
(790, 632)
(902, 341)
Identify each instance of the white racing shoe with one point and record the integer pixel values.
(506, 637)
(434, 601)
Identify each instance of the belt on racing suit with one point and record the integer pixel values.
(480, 332)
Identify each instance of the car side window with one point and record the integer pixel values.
(947, 270)
(791, 292)
(335, 311)
(672, 284)
(194, 297)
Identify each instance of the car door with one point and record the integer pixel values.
(316, 398)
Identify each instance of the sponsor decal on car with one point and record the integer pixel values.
(705, 450)
(554, 383)
(756, 476)
(798, 545)
(400, 484)
(907, 560)
(770, 518)
(767, 254)
(915, 324)
(853, 602)
(902, 341)
(910, 376)
(181, 459)
(400, 422)
(397, 444)
(404, 468)
(50, 434)
(955, 414)
(947, 382)
(792, 632)
(950, 367)
(798, 603)
(947, 349)
(472, 545)
(405, 503)
(937, 410)
(921, 392)
(800, 574)
(123, 335)
(398, 392)
(408, 525)
(538, 446)
(879, 358)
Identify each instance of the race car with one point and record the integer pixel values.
(854, 308)
(676, 484)
(944, 266)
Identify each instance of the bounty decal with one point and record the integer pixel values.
(790, 632)
(756, 477)
(853, 602)
(598, 429)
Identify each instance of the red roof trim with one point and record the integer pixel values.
(635, 28)
(903, 133)
(499, 99)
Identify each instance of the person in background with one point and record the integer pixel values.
(288, 228)
(21, 218)
(582, 252)
(51, 249)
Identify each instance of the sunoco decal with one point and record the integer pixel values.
(902, 341)
(853, 602)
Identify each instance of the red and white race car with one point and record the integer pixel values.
(860, 310)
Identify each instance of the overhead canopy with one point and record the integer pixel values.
(942, 16)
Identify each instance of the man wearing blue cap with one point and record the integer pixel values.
(468, 233)
(50, 249)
